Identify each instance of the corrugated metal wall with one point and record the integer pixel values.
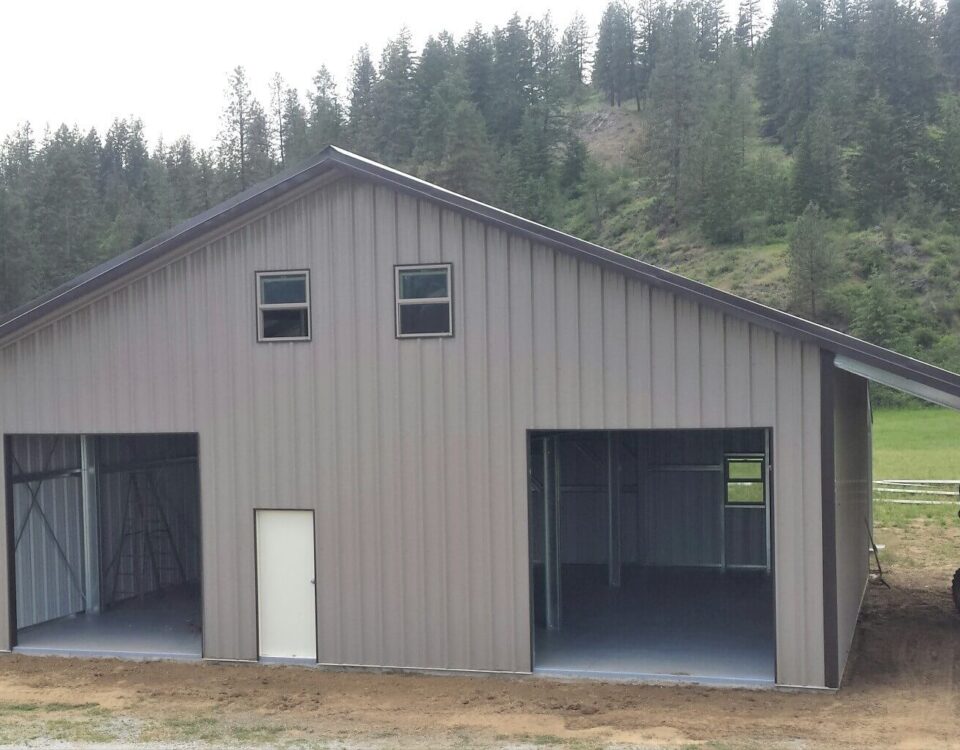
(48, 529)
(854, 480)
(413, 453)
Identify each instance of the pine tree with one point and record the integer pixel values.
(476, 56)
(792, 69)
(438, 58)
(184, 178)
(325, 123)
(945, 148)
(361, 118)
(676, 99)
(293, 121)
(234, 127)
(897, 59)
(816, 168)
(882, 161)
(574, 55)
(278, 97)
(711, 20)
(468, 156)
(877, 317)
(721, 151)
(653, 24)
(747, 32)
(260, 162)
(949, 39)
(512, 78)
(393, 102)
(575, 160)
(812, 265)
(615, 62)
(547, 89)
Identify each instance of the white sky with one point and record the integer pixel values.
(87, 62)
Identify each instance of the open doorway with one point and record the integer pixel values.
(651, 554)
(105, 537)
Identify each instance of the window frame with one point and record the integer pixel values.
(399, 302)
(262, 306)
(758, 458)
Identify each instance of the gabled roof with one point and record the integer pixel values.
(853, 354)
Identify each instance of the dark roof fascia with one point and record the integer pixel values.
(331, 157)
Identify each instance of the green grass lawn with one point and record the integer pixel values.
(919, 443)
(916, 444)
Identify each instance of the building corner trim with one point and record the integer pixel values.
(828, 498)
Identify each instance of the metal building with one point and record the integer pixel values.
(351, 418)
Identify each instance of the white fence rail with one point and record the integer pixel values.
(917, 491)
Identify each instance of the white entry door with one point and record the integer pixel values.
(286, 586)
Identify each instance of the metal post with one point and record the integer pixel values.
(90, 490)
(767, 481)
(613, 508)
(551, 525)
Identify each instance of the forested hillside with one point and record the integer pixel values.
(810, 160)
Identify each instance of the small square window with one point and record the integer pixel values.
(424, 301)
(283, 306)
(744, 479)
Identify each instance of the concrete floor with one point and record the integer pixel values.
(163, 626)
(665, 623)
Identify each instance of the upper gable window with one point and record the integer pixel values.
(424, 301)
(283, 306)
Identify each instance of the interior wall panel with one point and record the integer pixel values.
(854, 482)
(47, 519)
(131, 502)
(293, 424)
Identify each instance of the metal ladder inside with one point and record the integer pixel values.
(146, 555)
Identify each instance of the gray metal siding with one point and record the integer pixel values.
(852, 448)
(49, 552)
(413, 453)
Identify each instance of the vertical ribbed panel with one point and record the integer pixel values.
(854, 484)
(49, 553)
(413, 453)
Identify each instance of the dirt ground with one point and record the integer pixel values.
(901, 691)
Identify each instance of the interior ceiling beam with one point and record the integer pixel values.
(42, 476)
(128, 467)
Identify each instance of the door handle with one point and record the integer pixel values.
(313, 581)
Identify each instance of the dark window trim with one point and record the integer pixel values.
(397, 268)
(755, 457)
(259, 306)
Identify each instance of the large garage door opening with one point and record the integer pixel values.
(650, 554)
(105, 538)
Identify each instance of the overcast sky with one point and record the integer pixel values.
(87, 62)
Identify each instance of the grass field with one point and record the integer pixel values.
(916, 444)
(921, 443)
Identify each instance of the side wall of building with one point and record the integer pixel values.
(413, 453)
(853, 480)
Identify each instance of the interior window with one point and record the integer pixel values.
(744, 478)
